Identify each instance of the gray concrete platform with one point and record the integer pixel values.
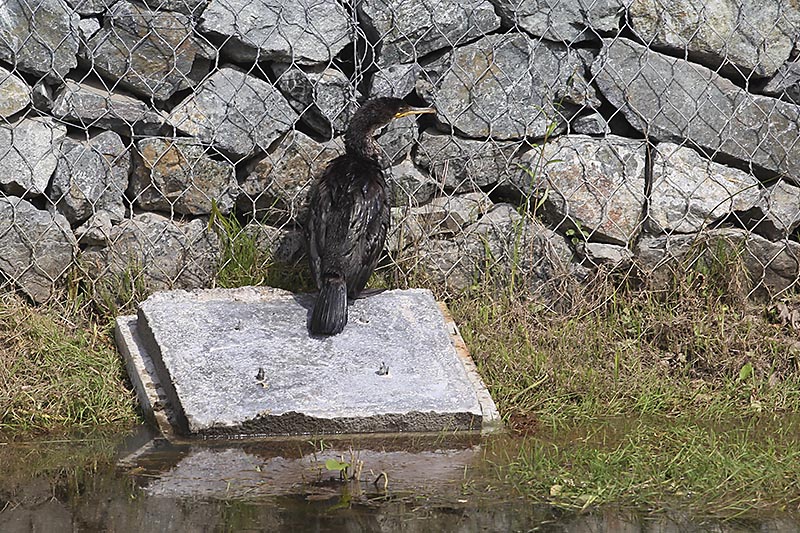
(240, 362)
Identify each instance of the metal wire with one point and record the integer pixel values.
(171, 143)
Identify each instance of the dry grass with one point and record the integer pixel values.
(56, 375)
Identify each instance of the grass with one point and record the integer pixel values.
(687, 394)
(58, 376)
(724, 469)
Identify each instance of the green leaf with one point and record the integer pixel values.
(337, 466)
(745, 372)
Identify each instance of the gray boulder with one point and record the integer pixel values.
(569, 21)
(398, 138)
(42, 97)
(449, 215)
(15, 95)
(234, 112)
(395, 80)
(40, 38)
(748, 36)
(302, 31)
(535, 87)
(153, 53)
(178, 175)
(500, 247)
(88, 29)
(323, 97)
(36, 247)
(772, 267)
(785, 83)
(91, 176)
(593, 124)
(88, 8)
(87, 106)
(277, 185)
(688, 192)
(673, 100)
(777, 213)
(191, 8)
(284, 245)
(409, 29)
(96, 230)
(464, 164)
(593, 186)
(28, 155)
(158, 252)
(442, 216)
(407, 186)
(611, 256)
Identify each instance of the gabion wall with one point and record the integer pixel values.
(570, 135)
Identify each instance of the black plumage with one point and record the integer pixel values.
(349, 215)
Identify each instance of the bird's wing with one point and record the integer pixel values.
(370, 223)
(319, 207)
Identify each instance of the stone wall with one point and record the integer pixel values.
(570, 134)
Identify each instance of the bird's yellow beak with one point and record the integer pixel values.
(415, 111)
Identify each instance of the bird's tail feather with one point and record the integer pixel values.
(330, 312)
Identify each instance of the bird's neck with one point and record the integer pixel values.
(362, 144)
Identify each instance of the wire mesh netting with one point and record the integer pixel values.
(172, 143)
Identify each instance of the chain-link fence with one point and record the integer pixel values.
(171, 143)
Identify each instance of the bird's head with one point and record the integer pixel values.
(378, 112)
(374, 114)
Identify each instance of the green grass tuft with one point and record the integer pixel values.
(55, 375)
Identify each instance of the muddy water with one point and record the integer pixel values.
(409, 484)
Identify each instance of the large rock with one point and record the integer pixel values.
(449, 215)
(15, 94)
(688, 192)
(157, 252)
(36, 247)
(502, 246)
(152, 53)
(41, 37)
(785, 83)
(28, 154)
(178, 175)
(191, 8)
(595, 187)
(777, 213)
(772, 267)
(569, 21)
(324, 97)
(395, 80)
(407, 186)
(87, 106)
(277, 186)
(284, 245)
(463, 164)
(444, 215)
(406, 30)
(749, 36)
(302, 31)
(673, 100)
(90, 177)
(511, 87)
(235, 112)
(397, 139)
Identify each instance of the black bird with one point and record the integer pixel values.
(349, 215)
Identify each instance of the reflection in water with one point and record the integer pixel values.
(434, 484)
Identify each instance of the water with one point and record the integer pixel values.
(409, 484)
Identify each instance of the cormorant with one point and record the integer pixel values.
(349, 215)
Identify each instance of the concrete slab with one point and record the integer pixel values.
(241, 362)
